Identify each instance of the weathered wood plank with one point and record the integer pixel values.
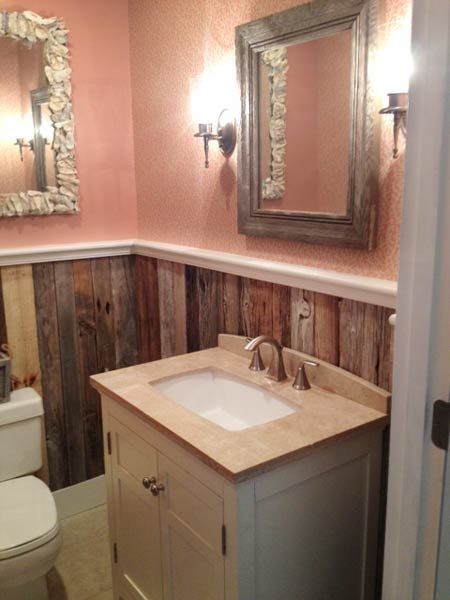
(244, 307)
(326, 328)
(231, 291)
(359, 339)
(256, 307)
(70, 370)
(104, 317)
(386, 348)
(20, 325)
(20, 316)
(172, 308)
(179, 301)
(209, 293)
(282, 314)
(91, 422)
(3, 331)
(302, 321)
(192, 310)
(50, 360)
(124, 303)
(147, 309)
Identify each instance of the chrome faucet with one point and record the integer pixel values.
(276, 369)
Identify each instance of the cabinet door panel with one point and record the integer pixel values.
(136, 514)
(311, 538)
(191, 524)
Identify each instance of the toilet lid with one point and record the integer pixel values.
(28, 516)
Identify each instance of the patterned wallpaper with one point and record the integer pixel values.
(172, 44)
(99, 46)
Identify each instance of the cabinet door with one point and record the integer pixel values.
(136, 516)
(191, 527)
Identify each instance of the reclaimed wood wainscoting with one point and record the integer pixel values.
(63, 321)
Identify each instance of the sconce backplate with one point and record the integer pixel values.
(226, 130)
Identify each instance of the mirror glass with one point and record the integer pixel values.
(305, 99)
(27, 159)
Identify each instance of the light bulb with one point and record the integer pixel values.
(46, 131)
(212, 91)
(395, 64)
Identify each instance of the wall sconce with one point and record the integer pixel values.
(225, 135)
(23, 144)
(398, 106)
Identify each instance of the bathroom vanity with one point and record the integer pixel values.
(279, 510)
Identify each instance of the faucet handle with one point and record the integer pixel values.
(301, 380)
(257, 363)
(311, 363)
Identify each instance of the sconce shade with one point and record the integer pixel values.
(204, 128)
(398, 102)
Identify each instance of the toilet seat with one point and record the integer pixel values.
(28, 517)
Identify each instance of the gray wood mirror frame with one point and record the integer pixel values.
(264, 174)
(54, 181)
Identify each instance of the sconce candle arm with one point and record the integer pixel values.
(205, 132)
(225, 136)
(398, 106)
(23, 144)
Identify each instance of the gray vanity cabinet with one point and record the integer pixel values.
(305, 530)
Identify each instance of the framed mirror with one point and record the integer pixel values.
(38, 174)
(307, 165)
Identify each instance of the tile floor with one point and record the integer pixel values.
(82, 570)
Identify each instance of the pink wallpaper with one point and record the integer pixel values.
(172, 44)
(103, 127)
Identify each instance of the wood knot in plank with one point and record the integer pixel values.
(304, 309)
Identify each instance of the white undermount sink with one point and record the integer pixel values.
(224, 399)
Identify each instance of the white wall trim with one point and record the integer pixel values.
(26, 255)
(381, 292)
(355, 287)
(80, 497)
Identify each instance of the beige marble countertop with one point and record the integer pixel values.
(322, 416)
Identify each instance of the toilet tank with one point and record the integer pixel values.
(20, 434)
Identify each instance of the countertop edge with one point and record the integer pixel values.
(254, 470)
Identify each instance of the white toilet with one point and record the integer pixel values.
(30, 537)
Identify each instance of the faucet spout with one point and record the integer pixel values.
(276, 370)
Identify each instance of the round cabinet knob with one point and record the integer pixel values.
(147, 482)
(155, 488)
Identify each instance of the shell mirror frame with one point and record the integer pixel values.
(309, 130)
(38, 174)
